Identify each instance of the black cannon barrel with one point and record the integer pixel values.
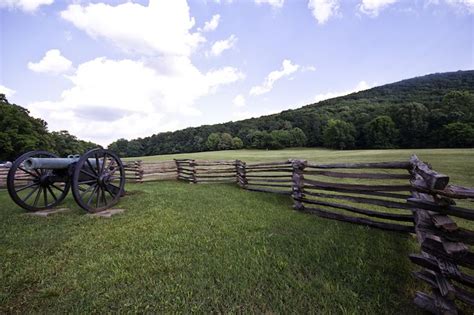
(53, 163)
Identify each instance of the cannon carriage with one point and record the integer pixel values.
(39, 180)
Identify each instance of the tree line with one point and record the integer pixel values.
(430, 111)
(19, 133)
(426, 112)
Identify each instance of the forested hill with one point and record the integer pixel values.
(435, 110)
(426, 89)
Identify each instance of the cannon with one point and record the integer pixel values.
(39, 180)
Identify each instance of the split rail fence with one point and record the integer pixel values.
(405, 197)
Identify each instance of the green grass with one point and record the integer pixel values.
(457, 163)
(211, 248)
(203, 248)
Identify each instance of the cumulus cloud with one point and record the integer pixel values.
(144, 94)
(287, 69)
(222, 45)
(212, 24)
(239, 101)
(24, 5)
(7, 91)
(373, 7)
(52, 62)
(362, 85)
(126, 98)
(273, 3)
(323, 10)
(162, 27)
(462, 5)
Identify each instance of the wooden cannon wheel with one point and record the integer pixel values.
(36, 189)
(98, 180)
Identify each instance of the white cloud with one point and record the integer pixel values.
(7, 91)
(239, 101)
(24, 5)
(373, 7)
(134, 97)
(162, 27)
(52, 62)
(308, 69)
(222, 45)
(323, 10)
(287, 69)
(273, 3)
(212, 24)
(462, 5)
(126, 98)
(362, 85)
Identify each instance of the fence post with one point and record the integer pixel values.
(297, 180)
(241, 173)
(441, 301)
(177, 168)
(140, 171)
(192, 164)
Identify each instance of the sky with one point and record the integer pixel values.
(105, 70)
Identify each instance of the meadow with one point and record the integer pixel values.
(457, 163)
(212, 248)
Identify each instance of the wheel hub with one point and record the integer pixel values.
(44, 180)
(104, 179)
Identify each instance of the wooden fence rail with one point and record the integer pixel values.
(445, 257)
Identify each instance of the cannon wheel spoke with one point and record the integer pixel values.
(92, 168)
(26, 187)
(37, 197)
(52, 193)
(28, 172)
(104, 197)
(87, 181)
(92, 195)
(31, 194)
(108, 190)
(88, 173)
(88, 190)
(56, 187)
(45, 196)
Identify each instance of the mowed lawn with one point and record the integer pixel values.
(211, 248)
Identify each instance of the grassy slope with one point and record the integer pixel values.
(457, 163)
(233, 250)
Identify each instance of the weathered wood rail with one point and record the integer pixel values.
(201, 171)
(446, 259)
(405, 197)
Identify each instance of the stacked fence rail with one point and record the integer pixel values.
(272, 177)
(446, 256)
(372, 194)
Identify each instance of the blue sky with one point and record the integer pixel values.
(109, 69)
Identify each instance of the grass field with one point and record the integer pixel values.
(457, 163)
(211, 248)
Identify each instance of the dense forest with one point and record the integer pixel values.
(435, 110)
(19, 132)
